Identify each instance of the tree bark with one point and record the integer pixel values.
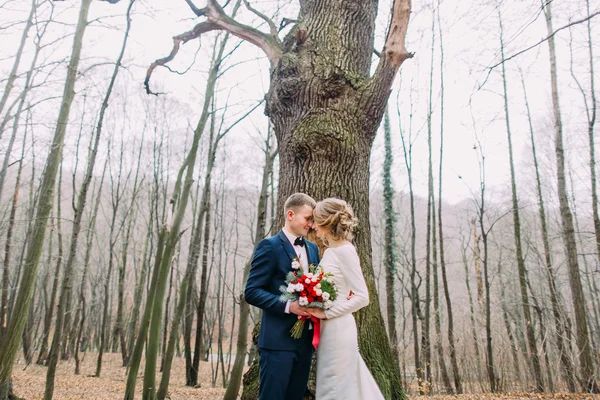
(389, 247)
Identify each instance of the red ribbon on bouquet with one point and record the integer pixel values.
(316, 331)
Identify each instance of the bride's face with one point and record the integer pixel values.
(322, 232)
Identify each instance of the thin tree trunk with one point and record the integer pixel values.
(539, 311)
(453, 358)
(260, 232)
(586, 363)
(485, 282)
(557, 309)
(8, 246)
(390, 258)
(12, 77)
(26, 87)
(200, 347)
(91, 233)
(509, 330)
(44, 351)
(12, 340)
(154, 306)
(196, 244)
(137, 296)
(531, 340)
(136, 354)
(116, 198)
(436, 296)
(472, 307)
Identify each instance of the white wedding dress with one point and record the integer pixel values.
(341, 371)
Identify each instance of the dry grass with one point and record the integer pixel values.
(29, 383)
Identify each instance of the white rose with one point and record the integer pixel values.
(291, 288)
(299, 287)
(319, 292)
(318, 286)
(307, 281)
(295, 264)
(303, 301)
(325, 296)
(309, 275)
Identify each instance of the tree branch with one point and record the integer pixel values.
(262, 16)
(185, 37)
(218, 20)
(546, 38)
(392, 56)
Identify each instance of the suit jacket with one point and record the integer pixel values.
(271, 262)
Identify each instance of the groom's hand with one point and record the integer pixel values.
(298, 309)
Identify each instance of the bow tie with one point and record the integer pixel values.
(299, 241)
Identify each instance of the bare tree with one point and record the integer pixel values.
(11, 342)
(586, 363)
(557, 309)
(453, 358)
(531, 341)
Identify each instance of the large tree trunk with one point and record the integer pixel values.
(586, 363)
(12, 340)
(325, 113)
(325, 108)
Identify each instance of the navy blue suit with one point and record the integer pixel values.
(284, 361)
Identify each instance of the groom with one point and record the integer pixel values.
(284, 361)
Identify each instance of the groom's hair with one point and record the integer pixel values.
(297, 200)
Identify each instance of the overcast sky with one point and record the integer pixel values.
(473, 103)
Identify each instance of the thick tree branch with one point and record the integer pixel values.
(394, 53)
(218, 20)
(185, 37)
(262, 16)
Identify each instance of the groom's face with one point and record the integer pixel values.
(299, 221)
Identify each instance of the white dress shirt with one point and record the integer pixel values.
(302, 256)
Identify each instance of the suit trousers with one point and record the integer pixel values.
(284, 374)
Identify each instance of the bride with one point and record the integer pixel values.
(341, 371)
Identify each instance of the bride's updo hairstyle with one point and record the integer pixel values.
(335, 215)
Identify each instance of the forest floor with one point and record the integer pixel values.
(29, 384)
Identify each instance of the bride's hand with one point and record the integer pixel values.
(317, 313)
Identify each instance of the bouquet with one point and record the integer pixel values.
(314, 288)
